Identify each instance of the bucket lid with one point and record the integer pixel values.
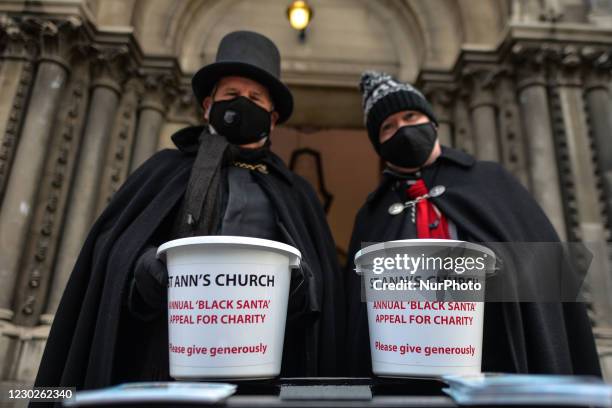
(294, 254)
(415, 242)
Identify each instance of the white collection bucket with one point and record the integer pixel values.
(227, 306)
(411, 337)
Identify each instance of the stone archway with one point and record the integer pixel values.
(345, 38)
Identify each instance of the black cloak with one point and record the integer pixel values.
(487, 205)
(95, 342)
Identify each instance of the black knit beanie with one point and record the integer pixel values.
(383, 96)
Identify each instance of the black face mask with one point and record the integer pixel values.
(240, 120)
(410, 146)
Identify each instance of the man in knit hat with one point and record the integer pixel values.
(465, 199)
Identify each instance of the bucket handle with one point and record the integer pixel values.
(294, 261)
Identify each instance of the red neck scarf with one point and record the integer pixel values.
(430, 222)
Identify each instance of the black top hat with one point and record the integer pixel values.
(250, 55)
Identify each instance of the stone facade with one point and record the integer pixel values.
(92, 88)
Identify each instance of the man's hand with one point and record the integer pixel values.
(148, 289)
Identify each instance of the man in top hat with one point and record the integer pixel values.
(463, 199)
(111, 325)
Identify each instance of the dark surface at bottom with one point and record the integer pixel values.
(306, 392)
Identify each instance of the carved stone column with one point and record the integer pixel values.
(464, 136)
(46, 228)
(153, 107)
(598, 97)
(535, 113)
(568, 91)
(82, 204)
(121, 144)
(585, 215)
(441, 100)
(16, 71)
(48, 217)
(599, 106)
(56, 45)
(483, 111)
(512, 141)
(183, 111)
(184, 108)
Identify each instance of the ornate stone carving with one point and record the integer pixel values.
(23, 39)
(57, 39)
(568, 69)
(568, 191)
(15, 120)
(17, 48)
(598, 98)
(566, 63)
(184, 108)
(598, 65)
(480, 80)
(529, 62)
(577, 155)
(512, 141)
(464, 137)
(110, 66)
(159, 90)
(15, 43)
(442, 98)
(121, 142)
(49, 213)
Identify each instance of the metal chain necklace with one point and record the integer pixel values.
(398, 208)
(262, 168)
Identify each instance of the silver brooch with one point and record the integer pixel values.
(397, 208)
(437, 191)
